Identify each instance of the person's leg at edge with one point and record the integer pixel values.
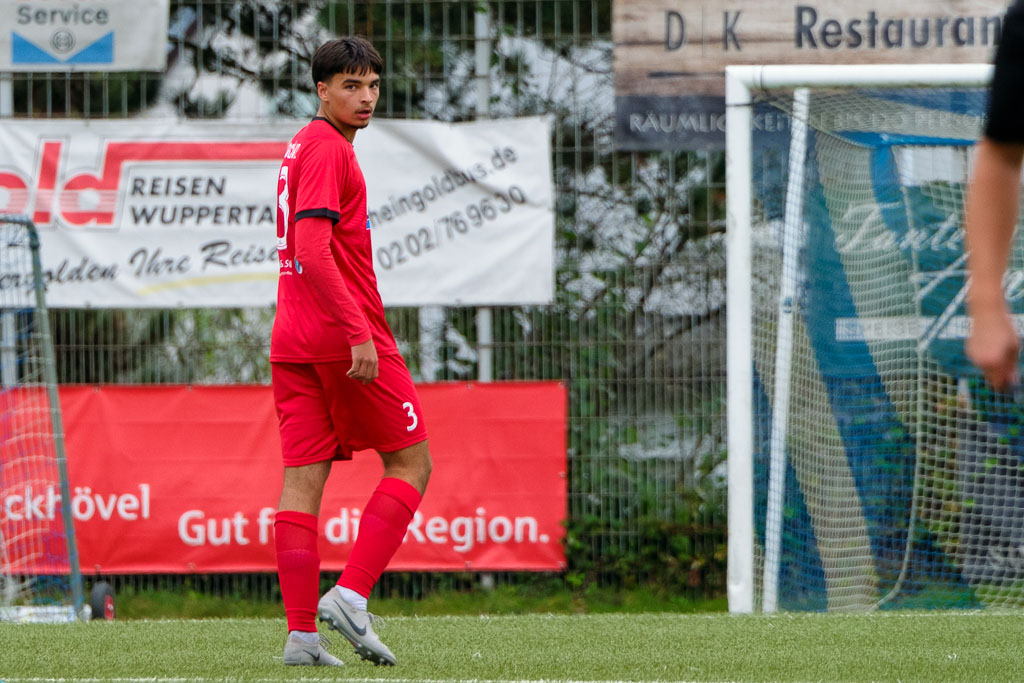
(295, 540)
(384, 521)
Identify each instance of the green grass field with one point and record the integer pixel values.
(593, 647)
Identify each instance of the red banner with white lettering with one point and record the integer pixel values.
(186, 479)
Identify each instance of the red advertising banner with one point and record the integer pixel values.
(186, 479)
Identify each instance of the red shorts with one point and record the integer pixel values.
(324, 414)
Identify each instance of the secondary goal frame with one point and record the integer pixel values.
(47, 376)
(741, 82)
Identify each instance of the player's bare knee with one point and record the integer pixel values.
(421, 459)
(302, 487)
(412, 464)
(426, 466)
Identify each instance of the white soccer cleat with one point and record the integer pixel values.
(298, 652)
(357, 627)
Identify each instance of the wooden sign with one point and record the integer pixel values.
(673, 48)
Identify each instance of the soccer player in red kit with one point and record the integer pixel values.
(340, 384)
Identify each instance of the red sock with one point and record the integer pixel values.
(381, 530)
(298, 567)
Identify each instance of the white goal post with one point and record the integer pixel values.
(757, 546)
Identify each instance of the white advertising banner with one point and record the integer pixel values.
(67, 35)
(462, 214)
(160, 214)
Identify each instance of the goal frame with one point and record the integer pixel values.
(740, 84)
(77, 610)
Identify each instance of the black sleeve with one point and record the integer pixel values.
(1005, 121)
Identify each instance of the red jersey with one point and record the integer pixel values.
(327, 298)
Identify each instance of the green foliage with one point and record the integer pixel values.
(83, 95)
(254, 53)
(191, 604)
(543, 595)
(95, 346)
(640, 537)
(151, 347)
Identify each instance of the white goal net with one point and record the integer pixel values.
(39, 574)
(880, 469)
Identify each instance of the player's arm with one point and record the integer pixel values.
(323, 169)
(313, 251)
(992, 208)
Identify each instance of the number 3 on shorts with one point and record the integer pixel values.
(410, 410)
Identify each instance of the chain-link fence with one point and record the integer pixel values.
(637, 328)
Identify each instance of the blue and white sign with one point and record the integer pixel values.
(63, 35)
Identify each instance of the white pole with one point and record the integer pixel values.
(792, 240)
(8, 331)
(431, 322)
(482, 73)
(862, 75)
(8, 349)
(484, 314)
(6, 94)
(739, 381)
